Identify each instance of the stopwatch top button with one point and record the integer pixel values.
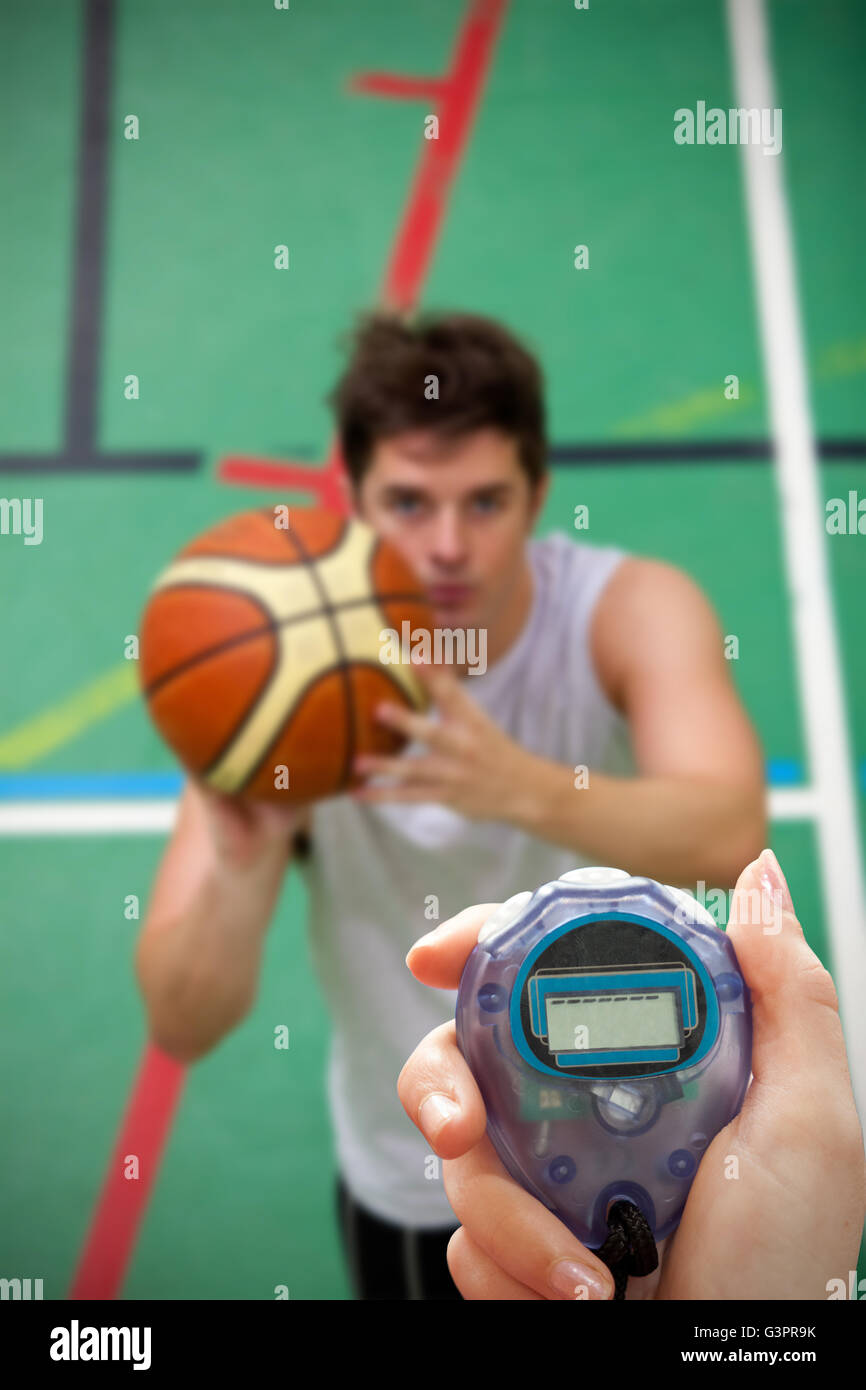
(599, 876)
(729, 987)
(505, 914)
(691, 912)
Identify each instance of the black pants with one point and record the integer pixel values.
(393, 1262)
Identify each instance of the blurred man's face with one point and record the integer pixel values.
(460, 514)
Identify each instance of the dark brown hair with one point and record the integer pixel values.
(486, 379)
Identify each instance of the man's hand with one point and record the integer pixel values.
(472, 765)
(245, 831)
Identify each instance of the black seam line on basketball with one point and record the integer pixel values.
(300, 559)
(270, 626)
(286, 728)
(247, 714)
(289, 533)
(340, 665)
(328, 612)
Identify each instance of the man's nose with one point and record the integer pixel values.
(449, 546)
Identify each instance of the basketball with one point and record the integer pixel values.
(261, 652)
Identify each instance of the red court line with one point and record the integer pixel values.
(156, 1092)
(413, 246)
(388, 84)
(122, 1202)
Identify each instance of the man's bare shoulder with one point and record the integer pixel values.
(647, 606)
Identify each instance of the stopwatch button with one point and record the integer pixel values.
(492, 998)
(505, 914)
(598, 876)
(728, 987)
(681, 1163)
(562, 1168)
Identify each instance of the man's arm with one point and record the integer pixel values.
(697, 808)
(199, 953)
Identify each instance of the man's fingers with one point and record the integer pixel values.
(414, 725)
(414, 769)
(444, 687)
(438, 958)
(440, 1095)
(519, 1234)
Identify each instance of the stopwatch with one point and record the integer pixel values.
(608, 1026)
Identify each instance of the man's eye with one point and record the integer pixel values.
(487, 504)
(406, 504)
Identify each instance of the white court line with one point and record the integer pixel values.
(150, 816)
(155, 816)
(805, 540)
(793, 803)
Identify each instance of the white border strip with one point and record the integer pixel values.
(804, 538)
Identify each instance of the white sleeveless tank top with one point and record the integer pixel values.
(374, 869)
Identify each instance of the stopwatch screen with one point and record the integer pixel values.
(603, 1021)
(609, 998)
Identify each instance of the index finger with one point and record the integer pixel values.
(438, 958)
(443, 686)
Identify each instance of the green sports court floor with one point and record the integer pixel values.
(253, 134)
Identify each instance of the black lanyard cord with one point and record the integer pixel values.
(630, 1247)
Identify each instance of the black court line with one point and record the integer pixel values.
(695, 451)
(80, 452)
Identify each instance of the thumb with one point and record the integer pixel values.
(797, 1042)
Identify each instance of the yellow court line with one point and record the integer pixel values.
(840, 359)
(34, 738)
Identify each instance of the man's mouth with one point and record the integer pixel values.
(448, 595)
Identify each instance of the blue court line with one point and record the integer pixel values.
(785, 772)
(58, 786)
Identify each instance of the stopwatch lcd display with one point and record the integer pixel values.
(603, 1022)
(610, 997)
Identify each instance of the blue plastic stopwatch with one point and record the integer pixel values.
(609, 1029)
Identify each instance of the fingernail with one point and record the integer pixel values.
(439, 1110)
(571, 1280)
(771, 874)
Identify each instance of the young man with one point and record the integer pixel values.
(605, 730)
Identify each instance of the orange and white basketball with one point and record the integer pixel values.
(261, 652)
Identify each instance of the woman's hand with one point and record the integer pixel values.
(777, 1206)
